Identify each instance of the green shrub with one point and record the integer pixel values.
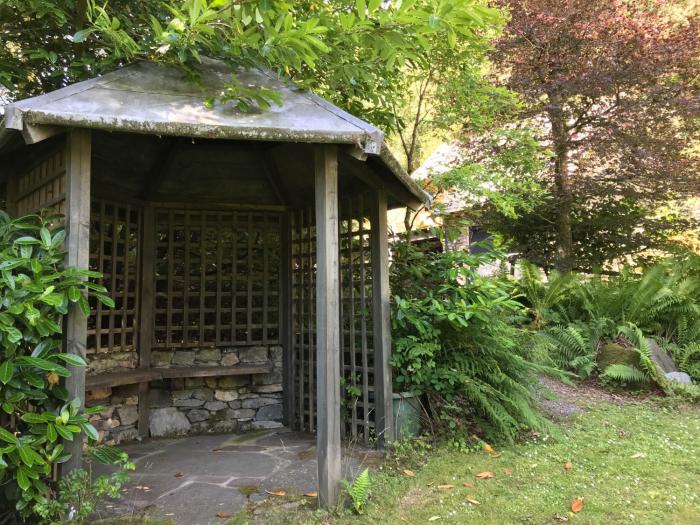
(35, 293)
(457, 339)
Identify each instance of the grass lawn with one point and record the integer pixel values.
(631, 463)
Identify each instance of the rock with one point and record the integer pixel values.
(241, 413)
(253, 354)
(267, 389)
(227, 425)
(258, 402)
(232, 381)
(188, 402)
(215, 406)
(230, 359)
(235, 404)
(273, 378)
(161, 358)
(181, 394)
(197, 415)
(661, 357)
(159, 398)
(194, 382)
(183, 358)
(126, 434)
(208, 355)
(128, 415)
(266, 424)
(205, 394)
(614, 353)
(225, 395)
(269, 413)
(168, 422)
(277, 355)
(679, 377)
(98, 393)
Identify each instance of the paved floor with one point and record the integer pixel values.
(189, 480)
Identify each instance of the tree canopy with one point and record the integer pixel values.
(612, 85)
(352, 52)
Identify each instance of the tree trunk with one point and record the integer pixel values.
(562, 183)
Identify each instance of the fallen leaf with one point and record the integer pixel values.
(487, 448)
(223, 515)
(485, 475)
(495, 456)
(568, 465)
(179, 474)
(409, 473)
(577, 505)
(216, 450)
(446, 486)
(639, 455)
(468, 484)
(311, 494)
(473, 501)
(508, 471)
(433, 518)
(276, 492)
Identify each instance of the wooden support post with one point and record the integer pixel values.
(11, 195)
(146, 311)
(286, 318)
(381, 319)
(78, 153)
(327, 325)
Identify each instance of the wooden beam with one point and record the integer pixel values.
(286, 334)
(327, 325)
(33, 133)
(381, 319)
(146, 311)
(78, 156)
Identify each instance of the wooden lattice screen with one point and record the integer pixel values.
(115, 232)
(43, 186)
(357, 356)
(217, 278)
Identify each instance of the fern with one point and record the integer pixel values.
(624, 374)
(358, 490)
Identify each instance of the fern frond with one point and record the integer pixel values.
(624, 374)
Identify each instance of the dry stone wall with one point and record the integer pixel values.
(196, 405)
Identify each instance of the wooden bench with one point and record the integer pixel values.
(144, 375)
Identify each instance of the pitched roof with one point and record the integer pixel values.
(159, 100)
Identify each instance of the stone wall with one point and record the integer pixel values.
(196, 405)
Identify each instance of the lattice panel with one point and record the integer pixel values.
(303, 293)
(44, 186)
(357, 359)
(357, 363)
(115, 231)
(217, 278)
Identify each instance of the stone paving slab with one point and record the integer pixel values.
(189, 480)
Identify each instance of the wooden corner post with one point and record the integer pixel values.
(327, 325)
(78, 153)
(381, 319)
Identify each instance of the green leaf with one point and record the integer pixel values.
(81, 35)
(7, 436)
(43, 364)
(6, 370)
(64, 433)
(51, 434)
(73, 293)
(72, 359)
(45, 236)
(90, 431)
(25, 455)
(23, 480)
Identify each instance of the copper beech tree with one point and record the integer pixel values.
(614, 85)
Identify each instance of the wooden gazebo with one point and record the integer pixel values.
(246, 253)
